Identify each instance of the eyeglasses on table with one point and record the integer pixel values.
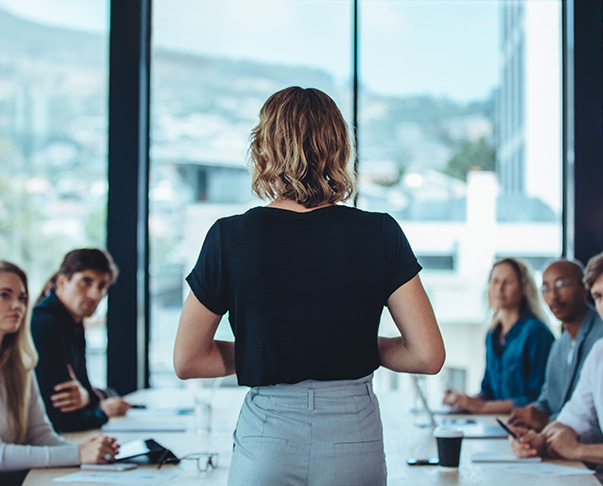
(204, 460)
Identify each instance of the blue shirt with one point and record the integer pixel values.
(515, 368)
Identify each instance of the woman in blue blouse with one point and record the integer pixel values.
(517, 346)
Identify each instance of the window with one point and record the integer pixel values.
(450, 134)
(433, 103)
(460, 140)
(53, 141)
(214, 65)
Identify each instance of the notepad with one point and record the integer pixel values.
(486, 456)
(131, 426)
(137, 477)
(114, 466)
(543, 470)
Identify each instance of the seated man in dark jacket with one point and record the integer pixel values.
(72, 294)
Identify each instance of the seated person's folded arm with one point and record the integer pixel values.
(557, 441)
(53, 370)
(70, 395)
(565, 445)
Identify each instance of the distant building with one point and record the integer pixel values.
(529, 102)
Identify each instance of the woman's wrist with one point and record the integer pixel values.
(492, 406)
(480, 406)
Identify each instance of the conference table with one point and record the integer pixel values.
(403, 439)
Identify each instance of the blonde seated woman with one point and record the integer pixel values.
(27, 440)
(517, 345)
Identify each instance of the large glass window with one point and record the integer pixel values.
(53, 140)
(214, 64)
(460, 140)
(459, 135)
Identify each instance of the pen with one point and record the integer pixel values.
(506, 427)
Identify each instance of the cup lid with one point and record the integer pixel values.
(447, 432)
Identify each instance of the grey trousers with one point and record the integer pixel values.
(322, 433)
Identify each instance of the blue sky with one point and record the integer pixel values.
(444, 48)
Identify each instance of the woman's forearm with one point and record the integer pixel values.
(396, 356)
(389, 355)
(477, 404)
(497, 406)
(226, 351)
(216, 361)
(196, 353)
(419, 348)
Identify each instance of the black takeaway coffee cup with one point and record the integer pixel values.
(449, 445)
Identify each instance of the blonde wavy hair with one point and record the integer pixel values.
(300, 149)
(17, 359)
(530, 301)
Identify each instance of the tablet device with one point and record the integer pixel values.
(144, 451)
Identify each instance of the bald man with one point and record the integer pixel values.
(583, 413)
(566, 295)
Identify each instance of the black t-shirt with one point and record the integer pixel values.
(304, 291)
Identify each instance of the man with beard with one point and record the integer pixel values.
(565, 294)
(71, 295)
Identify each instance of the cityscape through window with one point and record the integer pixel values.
(458, 127)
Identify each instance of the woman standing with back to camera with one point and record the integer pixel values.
(304, 281)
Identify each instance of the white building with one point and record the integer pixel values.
(530, 98)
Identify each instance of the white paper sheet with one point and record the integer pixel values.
(137, 476)
(153, 413)
(139, 426)
(486, 456)
(544, 469)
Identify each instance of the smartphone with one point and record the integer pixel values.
(422, 462)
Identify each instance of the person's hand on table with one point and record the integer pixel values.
(528, 444)
(114, 406)
(461, 400)
(562, 442)
(530, 417)
(71, 394)
(98, 449)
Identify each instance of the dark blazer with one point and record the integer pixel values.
(60, 341)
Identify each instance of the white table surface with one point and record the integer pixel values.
(402, 440)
